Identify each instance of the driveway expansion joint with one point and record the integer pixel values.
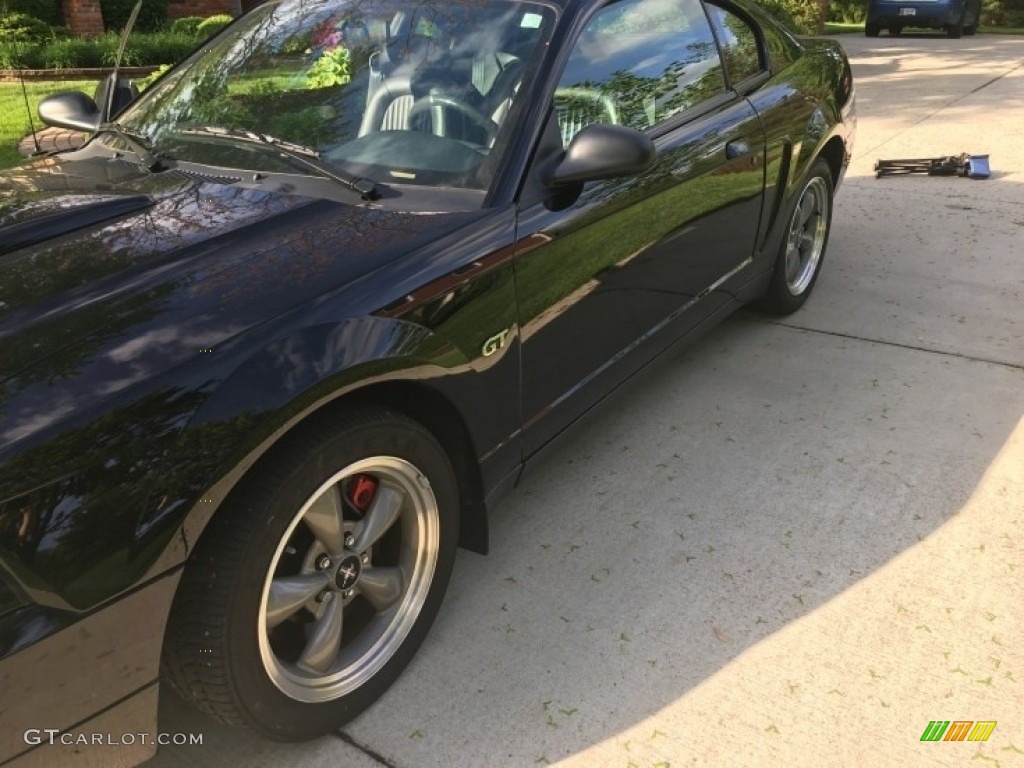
(900, 344)
(373, 755)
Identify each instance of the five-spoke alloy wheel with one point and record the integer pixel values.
(348, 579)
(314, 585)
(803, 246)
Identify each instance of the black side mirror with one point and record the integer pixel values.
(603, 151)
(70, 109)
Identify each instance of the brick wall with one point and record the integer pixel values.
(178, 8)
(83, 17)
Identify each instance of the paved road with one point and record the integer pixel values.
(796, 544)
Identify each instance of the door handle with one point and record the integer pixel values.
(734, 149)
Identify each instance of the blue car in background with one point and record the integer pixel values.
(957, 17)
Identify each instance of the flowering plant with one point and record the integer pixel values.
(332, 68)
(325, 36)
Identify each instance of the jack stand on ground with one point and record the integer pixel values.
(974, 166)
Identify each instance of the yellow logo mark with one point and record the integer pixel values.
(958, 730)
(496, 342)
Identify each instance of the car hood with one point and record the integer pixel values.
(110, 274)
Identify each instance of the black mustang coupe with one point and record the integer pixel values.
(278, 336)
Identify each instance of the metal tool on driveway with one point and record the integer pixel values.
(974, 166)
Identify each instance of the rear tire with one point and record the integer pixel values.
(802, 251)
(312, 588)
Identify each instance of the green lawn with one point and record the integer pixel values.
(13, 119)
(842, 28)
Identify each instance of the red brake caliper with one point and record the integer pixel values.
(361, 490)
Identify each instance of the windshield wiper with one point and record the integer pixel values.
(307, 156)
(147, 158)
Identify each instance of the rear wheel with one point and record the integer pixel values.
(307, 596)
(803, 247)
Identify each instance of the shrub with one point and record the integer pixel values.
(20, 27)
(152, 15)
(848, 11)
(332, 68)
(142, 50)
(799, 15)
(144, 82)
(13, 55)
(108, 45)
(1002, 13)
(187, 25)
(75, 53)
(168, 47)
(213, 25)
(47, 11)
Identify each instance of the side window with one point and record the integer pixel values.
(740, 50)
(638, 63)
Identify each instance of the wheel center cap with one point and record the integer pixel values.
(348, 572)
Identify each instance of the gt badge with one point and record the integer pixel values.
(496, 342)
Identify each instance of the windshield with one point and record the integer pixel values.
(398, 91)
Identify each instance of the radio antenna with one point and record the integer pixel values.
(28, 109)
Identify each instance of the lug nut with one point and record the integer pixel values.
(349, 593)
(365, 559)
(350, 540)
(325, 597)
(323, 563)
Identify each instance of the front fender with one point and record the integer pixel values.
(455, 337)
(292, 373)
(291, 377)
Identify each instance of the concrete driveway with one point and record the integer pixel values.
(795, 545)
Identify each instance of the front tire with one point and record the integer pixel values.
(871, 30)
(313, 587)
(803, 247)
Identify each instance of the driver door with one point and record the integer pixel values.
(615, 274)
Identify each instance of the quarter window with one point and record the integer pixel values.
(638, 63)
(738, 41)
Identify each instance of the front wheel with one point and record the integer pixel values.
(314, 586)
(871, 30)
(803, 247)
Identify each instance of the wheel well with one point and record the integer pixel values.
(833, 153)
(419, 403)
(431, 409)
(443, 420)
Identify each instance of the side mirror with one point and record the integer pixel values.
(603, 151)
(70, 109)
